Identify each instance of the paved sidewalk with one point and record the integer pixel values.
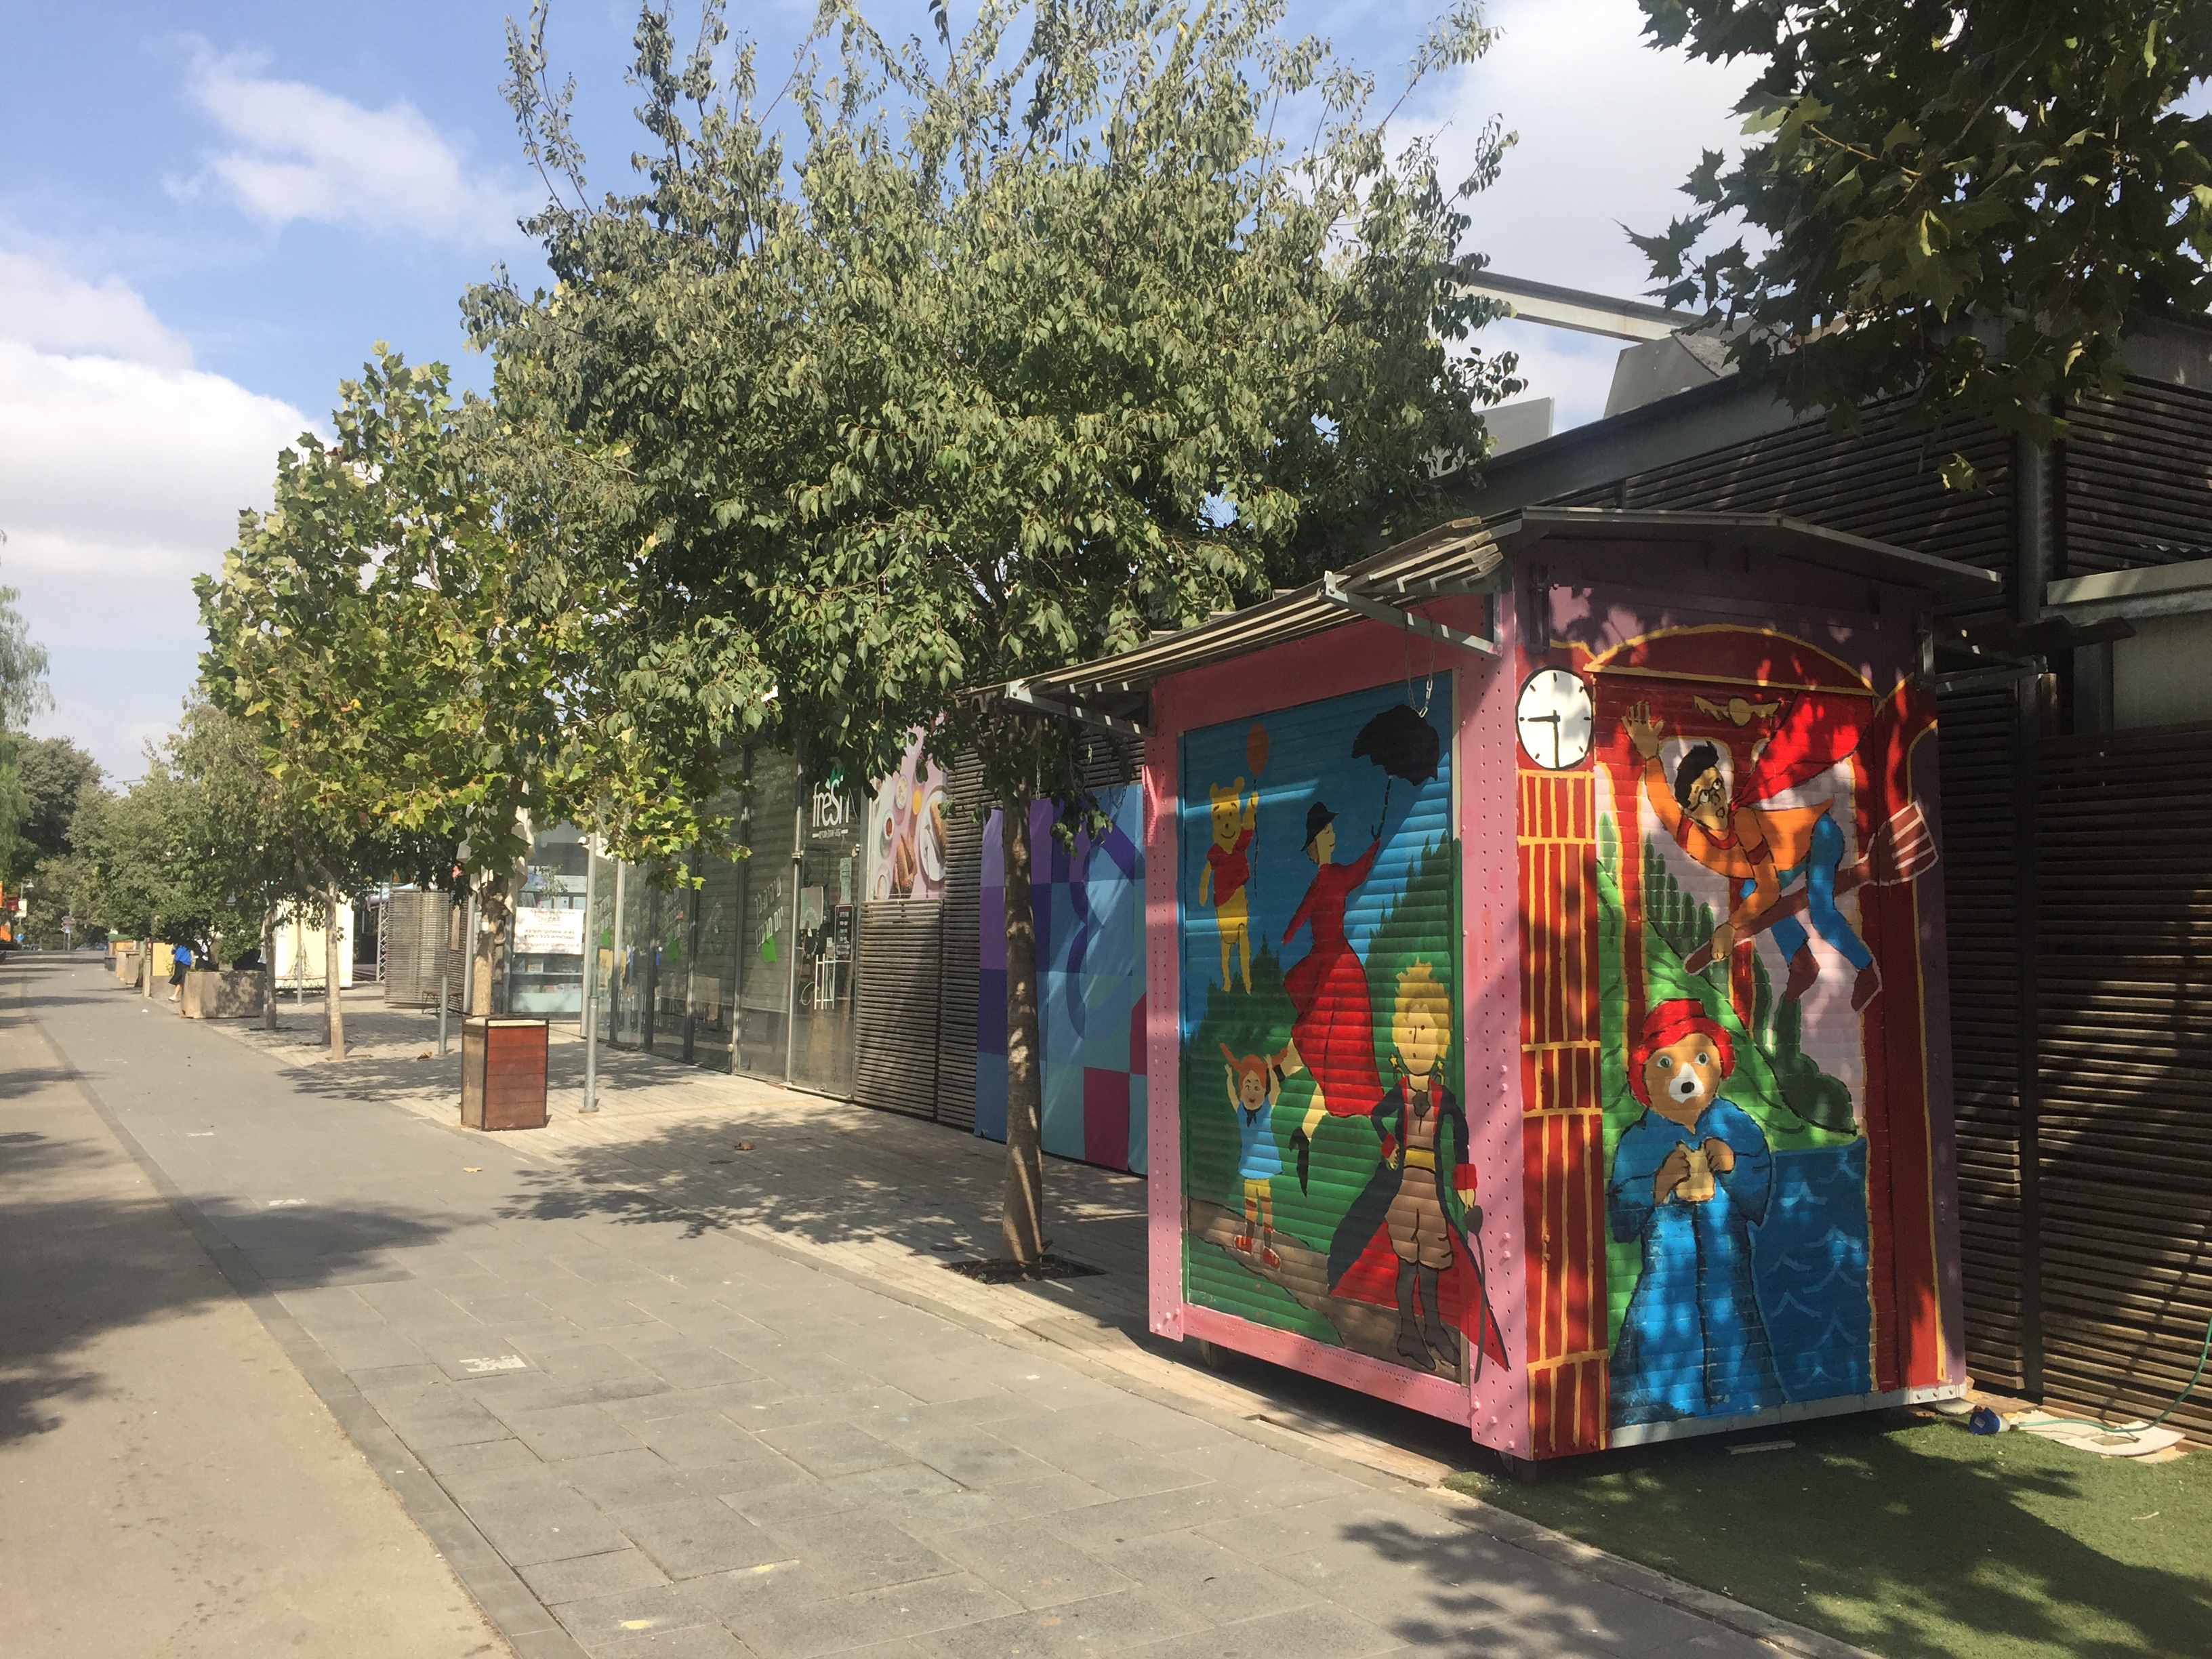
(653, 1394)
(169, 1483)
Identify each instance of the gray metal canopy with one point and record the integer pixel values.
(1465, 557)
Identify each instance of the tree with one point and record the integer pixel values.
(54, 773)
(1041, 340)
(1967, 205)
(418, 674)
(22, 694)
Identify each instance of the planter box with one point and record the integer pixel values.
(224, 992)
(502, 1073)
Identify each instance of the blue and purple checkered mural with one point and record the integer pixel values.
(1089, 904)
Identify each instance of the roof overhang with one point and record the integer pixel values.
(1465, 557)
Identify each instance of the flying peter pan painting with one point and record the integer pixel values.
(1327, 1186)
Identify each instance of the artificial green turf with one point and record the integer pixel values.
(1910, 1537)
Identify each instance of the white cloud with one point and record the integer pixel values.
(119, 480)
(44, 306)
(307, 154)
(1609, 129)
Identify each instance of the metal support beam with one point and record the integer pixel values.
(1019, 692)
(1584, 313)
(1334, 591)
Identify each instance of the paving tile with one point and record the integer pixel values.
(692, 1642)
(1217, 1584)
(480, 1457)
(977, 1459)
(855, 1551)
(1316, 1632)
(699, 1535)
(691, 1366)
(602, 1619)
(635, 1479)
(445, 1417)
(1104, 1623)
(1055, 1494)
(368, 1347)
(834, 1447)
(1030, 1562)
(391, 1382)
(583, 1577)
(529, 1517)
(569, 1431)
(784, 1615)
(1105, 1461)
(692, 1439)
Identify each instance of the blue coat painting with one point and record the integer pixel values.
(1690, 1179)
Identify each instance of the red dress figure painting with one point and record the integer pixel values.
(1334, 1030)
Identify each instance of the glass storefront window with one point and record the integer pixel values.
(829, 882)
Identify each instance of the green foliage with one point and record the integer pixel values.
(55, 774)
(1017, 350)
(1966, 203)
(22, 694)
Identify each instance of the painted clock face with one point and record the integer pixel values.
(1554, 719)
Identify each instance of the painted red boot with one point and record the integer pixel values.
(1866, 987)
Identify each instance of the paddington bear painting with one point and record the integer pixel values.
(1757, 1011)
(1328, 1190)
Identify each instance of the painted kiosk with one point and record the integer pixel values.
(1546, 1001)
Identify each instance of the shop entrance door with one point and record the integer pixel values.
(829, 881)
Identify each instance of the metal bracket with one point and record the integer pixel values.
(1019, 692)
(1984, 679)
(1332, 591)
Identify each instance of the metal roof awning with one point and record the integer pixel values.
(1466, 556)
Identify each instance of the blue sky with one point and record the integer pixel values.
(209, 212)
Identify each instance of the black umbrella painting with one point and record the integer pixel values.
(1401, 743)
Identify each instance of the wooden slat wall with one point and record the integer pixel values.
(959, 961)
(2135, 481)
(1976, 737)
(2124, 1007)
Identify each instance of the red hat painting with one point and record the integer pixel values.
(1667, 1026)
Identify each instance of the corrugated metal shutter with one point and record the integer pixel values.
(896, 1014)
(2124, 1002)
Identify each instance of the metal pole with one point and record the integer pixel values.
(469, 963)
(590, 1013)
(616, 966)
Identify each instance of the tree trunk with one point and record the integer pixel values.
(268, 969)
(333, 1009)
(1023, 1224)
(484, 950)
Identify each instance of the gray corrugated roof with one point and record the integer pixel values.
(1468, 554)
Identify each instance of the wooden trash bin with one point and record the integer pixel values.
(502, 1072)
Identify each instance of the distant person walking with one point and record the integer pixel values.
(179, 959)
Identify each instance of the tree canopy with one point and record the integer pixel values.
(1966, 204)
(991, 355)
(1032, 341)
